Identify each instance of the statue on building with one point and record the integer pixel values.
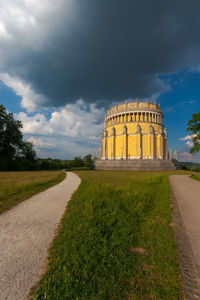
(113, 131)
(165, 132)
(175, 155)
(170, 154)
(151, 129)
(138, 128)
(124, 129)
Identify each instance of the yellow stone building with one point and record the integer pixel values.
(134, 130)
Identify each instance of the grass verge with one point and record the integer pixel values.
(196, 177)
(18, 186)
(115, 241)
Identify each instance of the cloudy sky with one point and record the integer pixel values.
(64, 62)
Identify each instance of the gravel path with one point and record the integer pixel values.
(26, 232)
(187, 195)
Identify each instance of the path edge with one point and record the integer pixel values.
(184, 250)
(45, 264)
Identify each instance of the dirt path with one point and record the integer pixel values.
(25, 234)
(187, 195)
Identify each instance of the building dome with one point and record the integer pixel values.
(134, 130)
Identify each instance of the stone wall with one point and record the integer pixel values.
(136, 164)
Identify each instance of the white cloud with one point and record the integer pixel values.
(189, 144)
(31, 101)
(74, 129)
(188, 139)
(185, 138)
(40, 143)
(37, 124)
(72, 120)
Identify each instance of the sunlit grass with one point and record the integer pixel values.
(17, 186)
(195, 176)
(110, 214)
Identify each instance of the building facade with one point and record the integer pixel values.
(134, 130)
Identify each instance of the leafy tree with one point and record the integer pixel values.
(27, 151)
(12, 145)
(194, 127)
(78, 162)
(88, 160)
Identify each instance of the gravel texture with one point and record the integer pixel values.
(187, 195)
(26, 232)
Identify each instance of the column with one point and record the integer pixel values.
(113, 144)
(175, 155)
(151, 143)
(139, 142)
(102, 146)
(125, 143)
(105, 145)
(160, 136)
(170, 154)
(165, 143)
(145, 116)
(165, 148)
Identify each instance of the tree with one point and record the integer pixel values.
(12, 145)
(27, 151)
(78, 162)
(194, 127)
(88, 160)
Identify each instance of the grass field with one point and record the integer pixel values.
(17, 186)
(115, 241)
(196, 177)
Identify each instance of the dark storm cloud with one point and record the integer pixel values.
(112, 49)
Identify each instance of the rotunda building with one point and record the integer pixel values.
(134, 130)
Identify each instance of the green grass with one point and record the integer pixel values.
(18, 186)
(195, 176)
(111, 212)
